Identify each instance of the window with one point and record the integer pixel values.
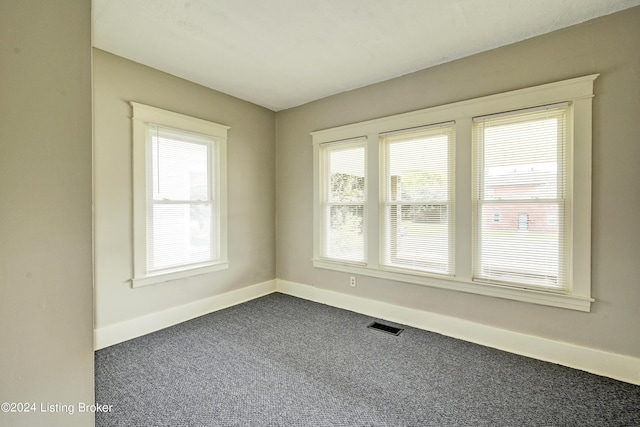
(417, 199)
(179, 196)
(344, 201)
(490, 196)
(521, 171)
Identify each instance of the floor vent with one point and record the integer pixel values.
(385, 328)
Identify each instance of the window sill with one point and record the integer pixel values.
(176, 274)
(572, 302)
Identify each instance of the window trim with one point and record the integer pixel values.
(143, 115)
(578, 92)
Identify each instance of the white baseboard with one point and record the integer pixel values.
(617, 366)
(612, 365)
(123, 331)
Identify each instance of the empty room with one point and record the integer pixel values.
(292, 213)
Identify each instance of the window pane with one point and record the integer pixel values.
(179, 234)
(523, 247)
(417, 237)
(180, 168)
(521, 160)
(419, 169)
(345, 232)
(346, 175)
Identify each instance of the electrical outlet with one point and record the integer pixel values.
(352, 281)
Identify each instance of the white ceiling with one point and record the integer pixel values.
(284, 53)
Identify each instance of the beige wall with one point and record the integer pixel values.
(46, 321)
(251, 192)
(608, 46)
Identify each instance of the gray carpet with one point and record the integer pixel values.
(284, 361)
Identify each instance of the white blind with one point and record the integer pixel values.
(343, 200)
(521, 190)
(417, 193)
(180, 199)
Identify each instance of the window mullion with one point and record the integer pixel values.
(372, 212)
(463, 199)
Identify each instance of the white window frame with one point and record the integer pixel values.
(143, 117)
(578, 92)
(524, 220)
(385, 200)
(324, 196)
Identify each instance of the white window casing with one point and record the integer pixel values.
(179, 196)
(573, 98)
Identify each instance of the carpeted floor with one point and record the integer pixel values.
(284, 361)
